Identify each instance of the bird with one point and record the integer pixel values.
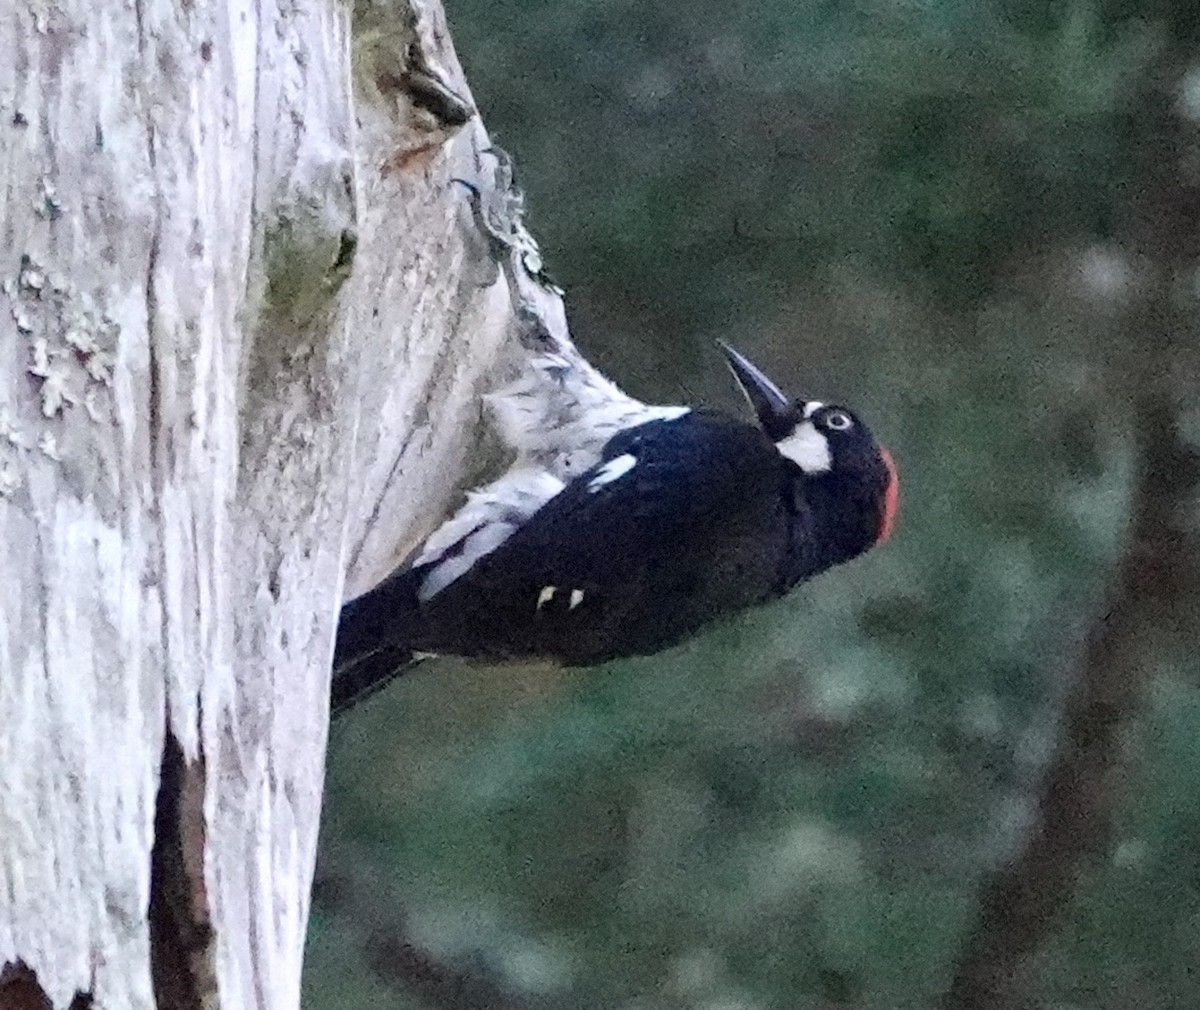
(622, 528)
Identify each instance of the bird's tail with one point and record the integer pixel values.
(374, 641)
(366, 677)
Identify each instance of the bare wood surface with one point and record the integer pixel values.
(246, 323)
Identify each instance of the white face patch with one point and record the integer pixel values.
(812, 407)
(807, 448)
(611, 471)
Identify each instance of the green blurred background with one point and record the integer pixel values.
(978, 224)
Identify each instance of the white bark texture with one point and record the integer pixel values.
(246, 321)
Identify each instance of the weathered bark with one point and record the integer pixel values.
(245, 321)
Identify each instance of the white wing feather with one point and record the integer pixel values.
(490, 516)
(560, 413)
(557, 416)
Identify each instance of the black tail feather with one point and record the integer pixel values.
(374, 641)
(366, 677)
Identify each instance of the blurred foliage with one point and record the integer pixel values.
(935, 210)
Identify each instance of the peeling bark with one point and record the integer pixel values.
(247, 322)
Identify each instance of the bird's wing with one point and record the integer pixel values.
(374, 629)
(672, 506)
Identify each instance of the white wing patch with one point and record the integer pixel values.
(612, 470)
(490, 516)
(475, 546)
(560, 412)
(807, 448)
(558, 415)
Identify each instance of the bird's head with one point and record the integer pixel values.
(828, 443)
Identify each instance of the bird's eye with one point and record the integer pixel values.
(838, 420)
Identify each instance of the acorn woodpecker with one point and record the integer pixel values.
(624, 528)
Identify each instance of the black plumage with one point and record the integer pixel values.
(681, 522)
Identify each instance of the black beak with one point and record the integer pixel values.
(775, 411)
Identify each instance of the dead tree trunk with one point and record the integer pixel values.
(245, 324)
